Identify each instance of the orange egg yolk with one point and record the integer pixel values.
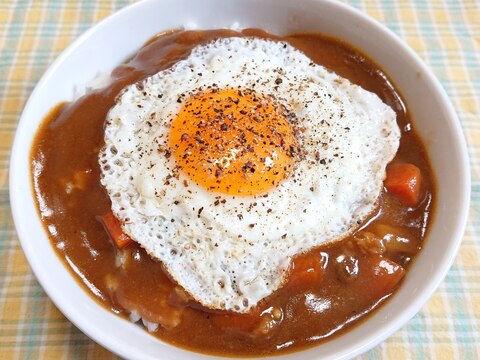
(233, 142)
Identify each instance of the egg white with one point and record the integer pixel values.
(229, 252)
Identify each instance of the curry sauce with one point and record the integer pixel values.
(345, 281)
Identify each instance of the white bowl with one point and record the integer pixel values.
(113, 40)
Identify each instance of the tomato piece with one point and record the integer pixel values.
(240, 322)
(306, 269)
(404, 181)
(383, 274)
(114, 229)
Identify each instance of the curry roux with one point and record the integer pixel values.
(66, 183)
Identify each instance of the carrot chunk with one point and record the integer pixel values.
(306, 269)
(404, 181)
(114, 229)
(383, 275)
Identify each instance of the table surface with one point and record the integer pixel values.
(446, 34)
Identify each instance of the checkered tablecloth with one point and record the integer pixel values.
(446, 34)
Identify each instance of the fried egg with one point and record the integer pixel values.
(239, 157)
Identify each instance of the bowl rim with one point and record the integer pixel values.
(384, 331)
